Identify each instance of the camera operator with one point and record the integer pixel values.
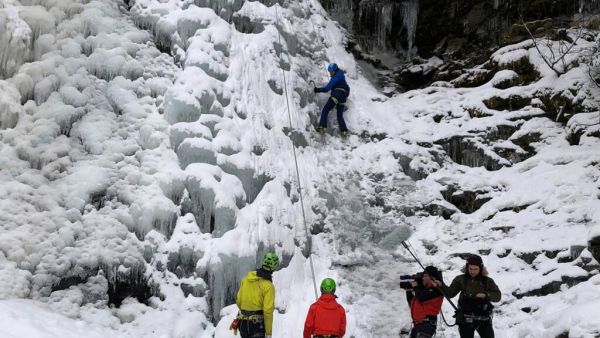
(477, 291)
(425, 302)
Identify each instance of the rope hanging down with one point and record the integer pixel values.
(312, 269)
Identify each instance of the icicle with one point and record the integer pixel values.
(341, 6)
(15, 39)
(385, 23)
(410, 12)
(496, 3)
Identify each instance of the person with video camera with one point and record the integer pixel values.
(477, 291)
(425, 301)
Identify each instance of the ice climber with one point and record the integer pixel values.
(425, 301)
(339, 93)
(256, 301)
(477, 291)
(326, 318)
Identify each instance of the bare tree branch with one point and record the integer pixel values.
(535, 44)
(568, 50)
(554, 58)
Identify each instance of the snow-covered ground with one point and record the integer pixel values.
(147, 164)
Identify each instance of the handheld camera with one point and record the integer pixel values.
(405, 280)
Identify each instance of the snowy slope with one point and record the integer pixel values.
(147, 165)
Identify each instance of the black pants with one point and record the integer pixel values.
(252, 328)
(423, 330)
(484, 328)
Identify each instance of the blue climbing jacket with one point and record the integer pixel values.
(338, 86)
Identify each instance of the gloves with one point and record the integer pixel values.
(315, 89)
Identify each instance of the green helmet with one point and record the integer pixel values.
(328, 285)
(270, 261)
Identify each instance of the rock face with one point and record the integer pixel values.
(594, 247)
(445, 27)
(461, 33)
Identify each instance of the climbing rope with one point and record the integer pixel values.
(312, 269)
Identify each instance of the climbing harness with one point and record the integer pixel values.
(341, 89)
(312, 269)
(470, 319)
(253, 316)
(245, 317)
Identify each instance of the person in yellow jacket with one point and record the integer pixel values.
(256, 300)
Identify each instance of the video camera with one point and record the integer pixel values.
(405, 280)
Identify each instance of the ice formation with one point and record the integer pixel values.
(146, 166)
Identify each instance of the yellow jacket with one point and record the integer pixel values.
(257, 294)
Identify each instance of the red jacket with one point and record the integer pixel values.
(425, 302)
(325, 316)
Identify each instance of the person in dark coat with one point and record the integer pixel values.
(425, 302)
(339, 93)
(477, 291)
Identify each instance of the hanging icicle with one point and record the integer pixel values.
(410, 13)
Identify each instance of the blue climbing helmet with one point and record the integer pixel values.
(332, 67)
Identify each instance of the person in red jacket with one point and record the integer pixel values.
(425, 301)
(325, 318)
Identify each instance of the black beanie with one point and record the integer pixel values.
(433, 272)
(475, 260)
